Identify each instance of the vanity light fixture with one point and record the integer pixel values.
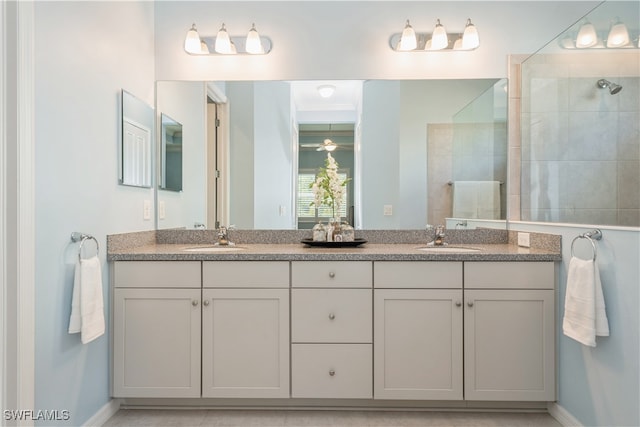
(225, 44)
(587, 36)
(439, 40)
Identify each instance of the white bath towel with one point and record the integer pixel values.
(584, 309)
(87, 309)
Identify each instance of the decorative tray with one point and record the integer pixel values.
(356, 242)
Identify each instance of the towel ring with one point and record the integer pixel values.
(81, 237)
(591, 236)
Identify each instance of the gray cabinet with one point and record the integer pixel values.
(156, 330)
(245, 329)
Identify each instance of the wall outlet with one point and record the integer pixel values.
(146, 210)
(523, 240)
(388, 210)
(282, 210)
(162, 212)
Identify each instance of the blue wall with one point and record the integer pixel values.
(601, 386)
(85, 53)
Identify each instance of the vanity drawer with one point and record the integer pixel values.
(337, 371)
(509, 275)
(157, 274)
(418, 274)
(331, 315)
(245, 274)
(331, 274)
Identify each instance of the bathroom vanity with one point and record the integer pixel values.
(379, 323)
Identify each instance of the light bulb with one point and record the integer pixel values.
(439, 39)
(587, 36)
(223, 42)
(254, 45)
(618, 35)
(408, 39)
(470, 38)
(192, 41)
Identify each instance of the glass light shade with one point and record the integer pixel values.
(204, 49)
(439, 39)
(587, 36)
(326, 91)
(192, 41)
(329, 145)
(223, 42)
(254, 44)
(618, 35)
(457, 45)
(470, 37)
(408, 40)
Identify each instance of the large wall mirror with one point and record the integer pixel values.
(135, 166)
(414, 143)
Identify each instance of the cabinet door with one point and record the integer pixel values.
(245, 343)
(509, 345)
(418, 344)
(156, 343)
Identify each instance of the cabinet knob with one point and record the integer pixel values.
(458, 304)
(470, 303)
(332, 373)
(194, 303)
(332, 316)
(205, 303)
(332, 274)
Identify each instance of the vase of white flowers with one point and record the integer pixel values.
(328, 189)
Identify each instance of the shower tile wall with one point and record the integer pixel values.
(580, 144)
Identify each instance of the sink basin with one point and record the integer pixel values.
(214, 249)
(448, 249)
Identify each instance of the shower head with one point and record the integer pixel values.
(613, 87)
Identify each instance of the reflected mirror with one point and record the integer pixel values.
(412, 141)
(135, 148)
(171, 154)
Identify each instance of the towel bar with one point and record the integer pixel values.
(82, 237)
(592, 235)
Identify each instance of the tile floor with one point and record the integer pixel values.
(248, 418)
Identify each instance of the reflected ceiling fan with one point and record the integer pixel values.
(326, 145)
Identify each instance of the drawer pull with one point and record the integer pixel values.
(194, 303)
(332, 373)
(332, 274)
(458, 304)
(470, 303)
(206, 303)
(332, 316)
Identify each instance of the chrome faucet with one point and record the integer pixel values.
(223, 236)
(438, 234)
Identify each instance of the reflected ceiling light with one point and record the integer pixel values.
(587, 36)
(329, 145)
(254, 44)
(192, 41)
(223, 41)
(470, 37)
(408, 40)
(326, 91)
(618, 35)
(439, 38)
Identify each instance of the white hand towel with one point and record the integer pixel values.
(584, 308)
(87, 309)
(465, 199)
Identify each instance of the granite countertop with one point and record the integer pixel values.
(300, 252)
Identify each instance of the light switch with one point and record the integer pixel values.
(146, 210)
(388, 210)
(161, 210)
(523, 240)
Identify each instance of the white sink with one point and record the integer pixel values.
(220, 248)
(448, 249)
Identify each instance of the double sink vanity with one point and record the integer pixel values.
(387, 324)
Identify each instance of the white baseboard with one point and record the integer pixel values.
(563, 416)
(103, 414)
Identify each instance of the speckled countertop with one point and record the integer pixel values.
(300, 252)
